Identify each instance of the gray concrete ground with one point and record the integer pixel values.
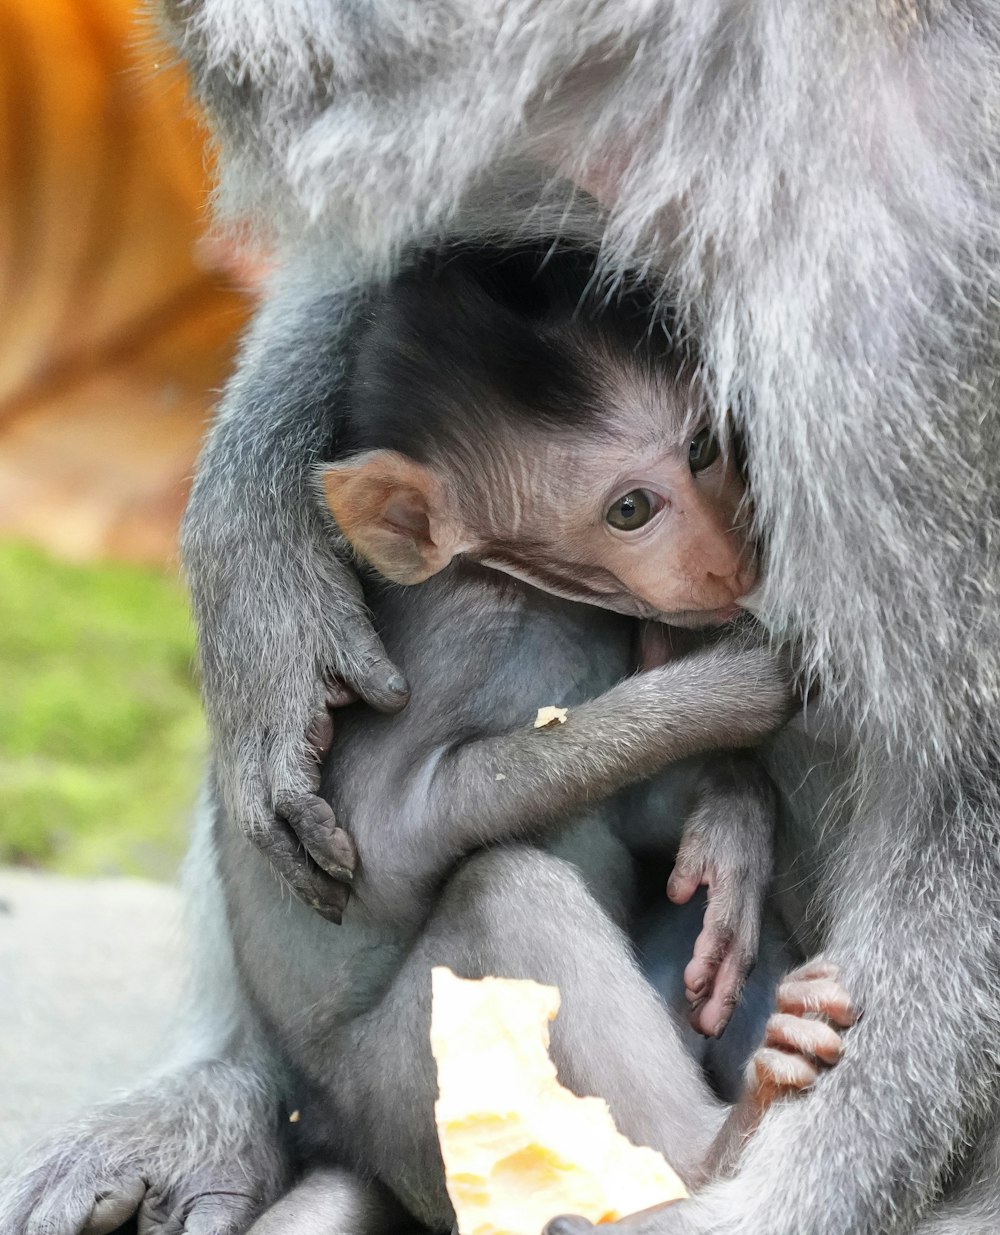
(90, 976)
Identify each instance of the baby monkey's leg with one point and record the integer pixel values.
(513, 912)
(333, 1201)
(803, 1038)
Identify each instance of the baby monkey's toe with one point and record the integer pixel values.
(812, 1039)
(805, 1034)
(816, 989)
(775, 1072)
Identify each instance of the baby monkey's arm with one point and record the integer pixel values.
(727, 846)
(524, 783)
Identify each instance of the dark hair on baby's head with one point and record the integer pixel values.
(470, 340)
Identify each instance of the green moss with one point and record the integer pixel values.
(101, 736)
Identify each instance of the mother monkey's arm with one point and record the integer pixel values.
(281, 620)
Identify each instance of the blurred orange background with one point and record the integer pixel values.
(118, 319)
(118, 323)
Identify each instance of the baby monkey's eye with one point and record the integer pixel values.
(704, 450)
(633, 510)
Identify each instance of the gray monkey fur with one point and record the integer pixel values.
(460, 770)
(280, 990)
(819, 185)
(332, 1020)
(822, 190)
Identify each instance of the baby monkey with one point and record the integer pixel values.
(511, 418)
(501, 413)
(496, 417)
(801, 1038)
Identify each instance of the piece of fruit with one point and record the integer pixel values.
(518, 1148)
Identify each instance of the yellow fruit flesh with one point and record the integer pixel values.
(518, 1148)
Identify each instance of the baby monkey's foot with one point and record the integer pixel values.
(804, 1036)
(802, 1039)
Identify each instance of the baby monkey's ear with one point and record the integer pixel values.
(394, 512)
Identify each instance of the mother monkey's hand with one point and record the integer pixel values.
(284, 633)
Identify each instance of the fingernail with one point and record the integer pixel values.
(697, 986)
(398, 684)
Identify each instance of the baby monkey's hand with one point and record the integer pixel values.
(727, 846)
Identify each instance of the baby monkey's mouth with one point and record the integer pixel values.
(697, 619)
(723, 615)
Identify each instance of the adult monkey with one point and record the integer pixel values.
(820, 182)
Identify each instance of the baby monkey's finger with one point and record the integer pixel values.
(338, 693)
(683, 883)
(724, 954)
(729, 937)
(815, 967)
(70, 1206)
(366, 669)
(711, 1017)
(710, 950)
(226, 1213)
(319, 738)
(114, 1207)
(319, 734)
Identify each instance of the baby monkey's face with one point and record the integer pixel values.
(645, 514)
(649, 518)
(532, 422)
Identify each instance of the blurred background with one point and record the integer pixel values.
(118, 322)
